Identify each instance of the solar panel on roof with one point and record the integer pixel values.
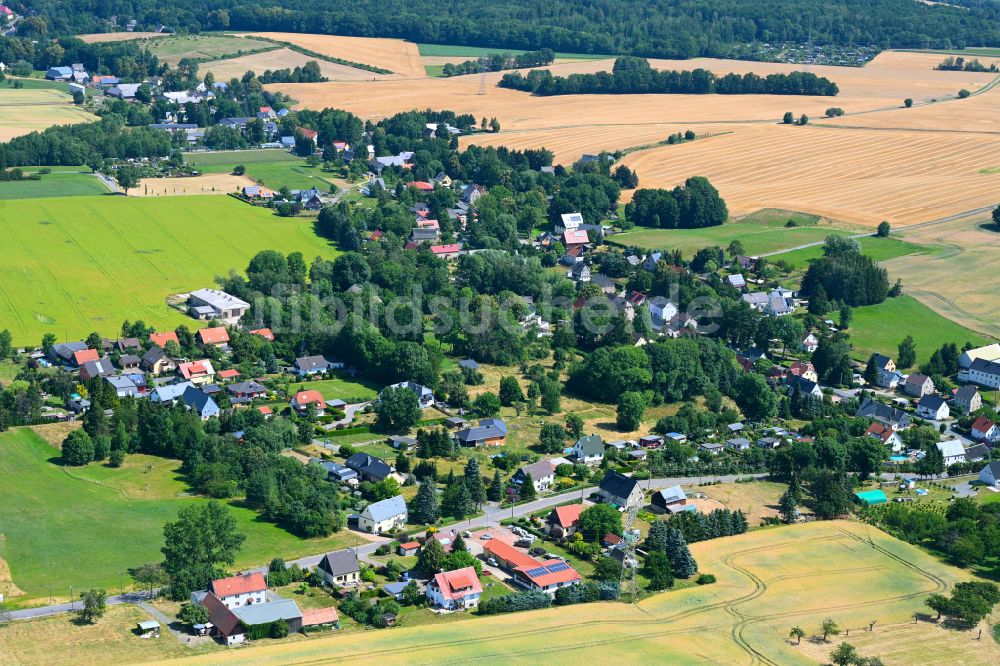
(558, 566)
(537, 571)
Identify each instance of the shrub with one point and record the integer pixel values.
(705, 579)
(512, 603)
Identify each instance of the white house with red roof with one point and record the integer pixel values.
(237, 591)
(547, 576)
(301, 401)
(197, 372)
(216, 336)
(310, 134)
(564, 520)
(449, 251)
(886, 435)
(455, 590)
(985, 430)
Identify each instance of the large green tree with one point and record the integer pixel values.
(398, 410)
(203, 539)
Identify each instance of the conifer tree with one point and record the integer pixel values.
(474, 481)
(681, 561)
(495, 492)
(425, 507)
(528, 488)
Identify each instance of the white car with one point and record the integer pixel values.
(486, 537)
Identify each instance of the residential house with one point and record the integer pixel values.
(123, 91)
(425, 397)
(169, 393)
(651, 441)
(589, 450)
(215, 304)
(952, 450)
(401, 443)
(455, 590)
(897, 419)
(129, 363)
(805, 370)
(224, 623)
(547, 576)
(197, 372)
(124, 385)
(258, 192)
(369, 468)
(671, 500)
(737, 281)
(746, 263)
(447, 251)
(580, 272)
(990, 475)
(311, 365)
(977, 453)
(264, 333)
(243, 590)
(59, 73)
(651, 260)
(982, 372)
(804, 387)
(300, 401)
(471, 193)
(886, 435)
(156, 362)
(933, 407)
(564, 520)
(768, 442)
(810, 343)
(200, 402)
(246, 391)
(987, 353)
(568, 222)
(161, 339)
(738, 444)
(661, 309)
(64, 352)
(711, 448)
(575, 238)
(543, 475)
(340, 568)
(226, 375)
(620, 490)
(386, 516)
(918, 385)
(489, 432)
(102, 367)
(985, 430)
(217, 337)
(423, 235)
(888, 376)
(967, 399)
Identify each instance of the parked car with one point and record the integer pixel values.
(486, 537)
(492, 562)
(537, 551)
(525, 542)
(466, 534)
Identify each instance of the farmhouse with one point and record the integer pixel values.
(369, 468)
(589, 450)
(240, 590)
(386, 516)
(952, 450)
(543, 475)
(918, 385)
(932, 407)
(985, 430)
(564, 520)
(620, 490)
(546, 576)
(489, 432)
(455, 590)
(339, 568)
(215, 304)
(982, 372)
(990, 475)
(967, 399)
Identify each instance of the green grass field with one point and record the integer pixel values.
(34, 84)
(760, 232)
(85, 529)
(879, 249)
(36, 108)
(880, 328)
(333, 389)
(64, 183)
(274, 168)
(80, 264)
(210, 47)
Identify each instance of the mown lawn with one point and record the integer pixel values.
(341, 388)
(80, 264)
(70, 531)
(226, 157)
(880, 328)
(879, 249)
(760, 232)
(273, 168)
(60, 183)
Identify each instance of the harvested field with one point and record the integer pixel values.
(977, 114)
(851, 175)
(27, 110)
(400, 57)
(95, 37)
(206, 183)
(768, 580)
(282, 58)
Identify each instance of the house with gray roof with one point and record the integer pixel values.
(335, 472)
(386, 516)
(489, 432)
(589, 450)
(897, 419)
(543, 475)
(124, 386)
(340, 568)
(620, 490)
(169, 392)
(311, 365)
(425, 397)
(201, 403)
(369, 468)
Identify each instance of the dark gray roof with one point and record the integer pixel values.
(307, 363)
(339, 562)
(246, 387)
(468, 363)
(487, 429)
(618, 485)
(591, 445)
(931, 402)
(362, 463)
(966, 393)
(198, 400)
(984, 366)
(881, 361)
(874, 409)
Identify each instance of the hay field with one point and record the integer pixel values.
(851, 175)
(78, 264)
(95, 37)
(943, 281)
(282, 58)
(768, 581)
(206, 183)
(27, 110)
(402, 58)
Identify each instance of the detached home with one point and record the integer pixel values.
(369, 468)
(547, 576)
(952, 450)
(543, 475)
(886, 435)
(933, 407)
(671, 500)
(197, 372)
(985, 430)
(156, 362)
(217, 336)
(489, 432)
(967, 399)
(620, 490)
(918, 385)
(339, 568)
(589, 450)
(311, 365)
(301, 401)
(425, 397)
(238, 591)
(990, 475)
(385, 516)
(982, 372)
(455, 590)
(564, 520)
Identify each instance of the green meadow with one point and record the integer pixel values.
(274, 168)
(879, 249)
(62, 182)
(86, 526)
(79, 264)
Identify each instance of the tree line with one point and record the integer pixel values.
(495, 62)
(632, 75)
(694, 205)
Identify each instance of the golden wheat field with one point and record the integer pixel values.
(93, 38)
(768, 581)
(400, 57)
(206, 183)
(281, 59)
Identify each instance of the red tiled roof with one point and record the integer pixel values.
(213, 336)
(799, 368)
(303, 398)
(567, 515)
(264, 409)
(428, 224)
(234, 585)
(376, 234)
(195, 369)
(879, 431)
(308, 133)
(445, 249)
(458, 583)
(85, 355)
(219, 615)
(612, 539)
(314, 616)
(982, 424)
(264, 333)
(161, 339)
(229, 374)
(507, 552)
(422, 185)
(410, 545)
(552, 578)
(575, 237)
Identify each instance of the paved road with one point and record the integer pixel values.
(493, 515)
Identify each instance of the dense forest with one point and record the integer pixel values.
(661, 28)
(631, 75)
